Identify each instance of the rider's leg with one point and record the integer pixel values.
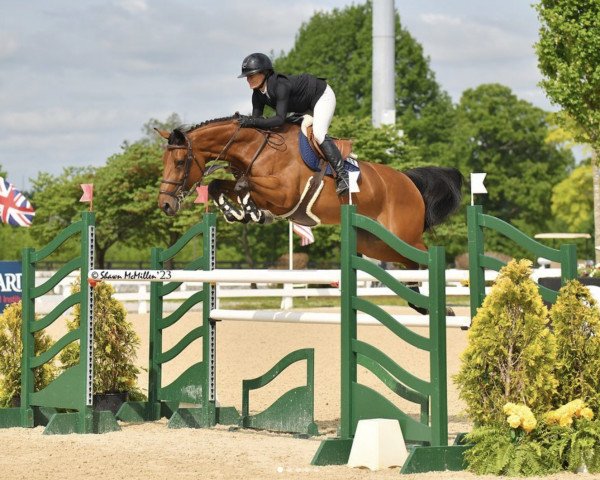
(322, 115)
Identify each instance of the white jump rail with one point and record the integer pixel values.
(286, 316)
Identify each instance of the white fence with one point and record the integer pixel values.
(136, 296)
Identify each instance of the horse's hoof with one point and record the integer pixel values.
(242, 185)
(450, 312)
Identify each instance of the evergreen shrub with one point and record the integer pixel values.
(575, 320)
(510, 354)
(11, 349)
(115, 344)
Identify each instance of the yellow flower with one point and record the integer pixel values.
(565, 421)
(529, 424)
(514, 421)
(552, 417)
(587, 413)
(509, 408)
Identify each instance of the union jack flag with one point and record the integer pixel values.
(15, 209)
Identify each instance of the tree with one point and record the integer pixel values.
(56, 199)
(572, 200)
(506, 137)
(337, 45)
(385, 144)
(12, 240)
(569, 58)
(2, 172)
(125, 192)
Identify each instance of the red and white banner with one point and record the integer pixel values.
(305, 233)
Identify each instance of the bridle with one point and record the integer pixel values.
(180, 192)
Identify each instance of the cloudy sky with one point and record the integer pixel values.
(77, 78)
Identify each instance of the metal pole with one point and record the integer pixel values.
(384, 72)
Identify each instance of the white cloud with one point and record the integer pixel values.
(8, 45)
(462, 40)
(133, 6)
(438, 19)
(59, 120)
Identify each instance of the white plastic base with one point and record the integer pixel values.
(378, 443)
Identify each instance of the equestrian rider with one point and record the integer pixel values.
(293, 93)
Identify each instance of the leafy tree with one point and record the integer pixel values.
(506, 137)
(338, 45)
(125, 192)
(2, 172)
(572, 200)
(149, 129)
(12, 240)
(56, 199)
(569, 55)
(387, 144)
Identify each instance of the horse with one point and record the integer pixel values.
(271, 180)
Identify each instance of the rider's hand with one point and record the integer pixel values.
(246, 121)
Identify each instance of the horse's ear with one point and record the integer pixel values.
(163, 133)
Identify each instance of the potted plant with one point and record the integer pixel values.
(115, 346)
(10, 360)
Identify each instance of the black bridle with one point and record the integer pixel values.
(180, 192)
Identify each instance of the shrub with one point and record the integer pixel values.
(565, 439)
(115, 344)
(10, 359)
(511, 352)
(575, 320)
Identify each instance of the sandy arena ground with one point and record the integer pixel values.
(244, 350)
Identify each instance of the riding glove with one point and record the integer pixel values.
(247, 121)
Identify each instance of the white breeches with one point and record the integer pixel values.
(323, 114)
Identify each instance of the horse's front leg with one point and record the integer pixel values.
(223, 194)
(251, 211)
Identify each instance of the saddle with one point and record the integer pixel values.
(344, 145)
(315, 160)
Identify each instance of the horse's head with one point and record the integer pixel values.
(181, 170)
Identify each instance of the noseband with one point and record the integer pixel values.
(180, 192)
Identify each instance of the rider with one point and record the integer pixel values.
(293, 93)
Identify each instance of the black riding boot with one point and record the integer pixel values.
(334, 157)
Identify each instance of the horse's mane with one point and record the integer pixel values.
(188, 128)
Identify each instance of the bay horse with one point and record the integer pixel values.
(271, 178)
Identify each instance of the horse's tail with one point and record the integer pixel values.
(441, 191)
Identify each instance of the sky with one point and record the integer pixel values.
(78, 78)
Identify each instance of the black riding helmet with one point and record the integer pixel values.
(255, 63)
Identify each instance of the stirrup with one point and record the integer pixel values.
(342, 185)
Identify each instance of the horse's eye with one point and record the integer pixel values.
(179, 163)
